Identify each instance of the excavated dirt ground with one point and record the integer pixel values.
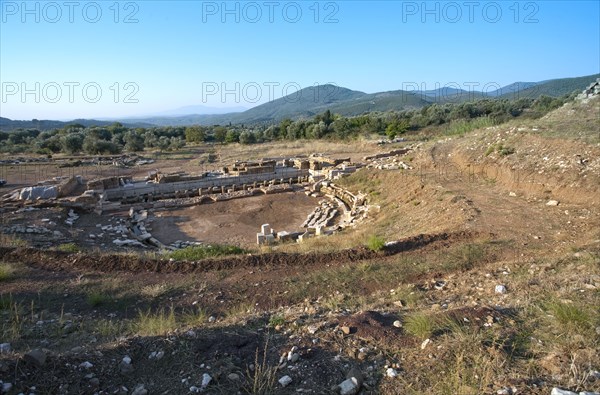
(233, 222)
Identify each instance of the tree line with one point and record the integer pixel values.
(116, 138)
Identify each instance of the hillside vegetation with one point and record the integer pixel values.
(308, 102)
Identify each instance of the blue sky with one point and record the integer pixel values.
(64, 60)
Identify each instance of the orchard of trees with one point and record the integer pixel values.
(116, 138)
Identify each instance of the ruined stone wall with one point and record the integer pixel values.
(141, 189)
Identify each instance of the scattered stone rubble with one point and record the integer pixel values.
(243, 179)
(32, 229)
(71, 217)
(592, 90)
(343, 209)
(135, 232)
(321, 217)
(388, 154)
(389, 164)
(388, 160)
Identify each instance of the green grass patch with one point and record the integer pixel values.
(375, 243)
(194, 317)
(12, 241)
(7, 272)
(196, 253)
(11, 326)
(569, 315)
(68, 247)
(420, 325)
(110, 329)
(276, 320)
(463, 126)
(501, 149)
(6, 302)
(155, 324)
(366, 181)
(96, 298)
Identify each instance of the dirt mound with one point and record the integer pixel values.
(59, 261)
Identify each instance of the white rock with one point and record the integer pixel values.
(86, 365)
(588, 393)
(552, 203)
(195, 389)
(512, 194)
(140, 390)
(285, 381)
(156, 355)
(4, 347)
(425, 343)
(349, 386)
(558, 391)
(398, 324)
(206, 379)
(500, 289)
(127, 359)
(391, 372)
(6, 387)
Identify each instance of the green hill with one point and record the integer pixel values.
(384, 101)
(308, 102)
(303, 103)
(555, 88)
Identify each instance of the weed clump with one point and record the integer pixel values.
(375, 243)
(196, 253)
(7, 272)
(68, 247)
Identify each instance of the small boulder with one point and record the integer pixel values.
(5, 348)
(206, 379)
(233, 377)
(500, 289)
(357, 375)
(86, 365)
(285, 381)
(346, 330)
(36, 357)
(349, 387)
(140, 389)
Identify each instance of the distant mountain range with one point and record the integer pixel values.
(311, 101)
(8, 124)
